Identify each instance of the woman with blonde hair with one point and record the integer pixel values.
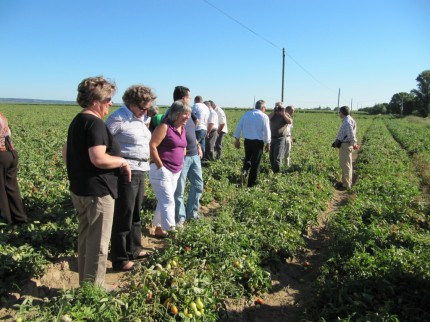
(92, 156)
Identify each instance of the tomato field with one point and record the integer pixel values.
(378, 265)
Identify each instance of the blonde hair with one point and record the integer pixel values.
(93, 89)
(138, 94)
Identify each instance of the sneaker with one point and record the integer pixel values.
(180, 224)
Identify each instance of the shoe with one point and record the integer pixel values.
(341, 188)
(127, 267)
(338, 185)
(142, 254)
(180, 224)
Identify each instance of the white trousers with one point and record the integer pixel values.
(164, 182)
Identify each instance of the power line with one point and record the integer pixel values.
(268, 41)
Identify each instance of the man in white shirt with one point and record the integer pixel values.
(254, 126)
(222, 129)
(201, 111)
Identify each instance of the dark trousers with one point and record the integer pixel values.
(126, 229)
(210, 145)
(11, 206)
(253, 156)
(218, 145)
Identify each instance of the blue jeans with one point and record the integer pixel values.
(201, 138)
(192, 170)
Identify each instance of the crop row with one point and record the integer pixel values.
(379, 267)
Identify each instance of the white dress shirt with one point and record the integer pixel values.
(254, 125)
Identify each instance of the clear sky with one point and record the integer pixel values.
(229, 51)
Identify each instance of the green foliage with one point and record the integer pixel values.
(380, 238)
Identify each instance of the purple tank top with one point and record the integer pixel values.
(171, 149)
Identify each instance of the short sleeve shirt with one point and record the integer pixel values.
(86, 179)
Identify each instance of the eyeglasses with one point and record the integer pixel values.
(142, 108)
(107, 100)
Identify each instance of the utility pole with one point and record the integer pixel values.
(283, 73)
(338, 98)
(351, 104)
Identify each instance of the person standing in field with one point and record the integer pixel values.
(201, 111)
(289, 110)
(127, 126)
(93, 160)
(347, 135)
(222, 129)
(11, 205)
(167, 149)
(254, 126)
(211, 135)
(192, 169)
(279, 121)
(155, 117)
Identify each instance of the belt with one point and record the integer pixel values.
(136, 159)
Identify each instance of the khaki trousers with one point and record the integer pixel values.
(95, 216)
(345, 162)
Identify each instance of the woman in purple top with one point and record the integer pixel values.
(167, 149)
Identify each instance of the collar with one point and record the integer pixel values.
(130, 114)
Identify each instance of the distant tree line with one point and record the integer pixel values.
(416, 102)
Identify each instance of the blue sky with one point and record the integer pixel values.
(370, 49)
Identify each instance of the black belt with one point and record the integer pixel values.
(136, 159)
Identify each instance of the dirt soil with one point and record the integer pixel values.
(291, 283)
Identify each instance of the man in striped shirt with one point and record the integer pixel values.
(348, 136)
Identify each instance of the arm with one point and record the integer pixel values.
(100, 159)
(64, 152)
(271, 114)
(287, 117)
(220, 127)
(157, 137)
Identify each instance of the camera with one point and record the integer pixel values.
(279, 109)
(336, 144)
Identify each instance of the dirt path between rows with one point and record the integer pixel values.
(292, 283)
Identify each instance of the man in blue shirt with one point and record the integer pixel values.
(254, 126)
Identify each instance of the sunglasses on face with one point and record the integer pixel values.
(107, 100)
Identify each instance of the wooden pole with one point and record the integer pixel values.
(283, 73)
(338, 98)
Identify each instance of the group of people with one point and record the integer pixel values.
(261, 132)
(106, 164)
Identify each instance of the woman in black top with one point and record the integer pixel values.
(92, 158)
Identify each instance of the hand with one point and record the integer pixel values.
(126, 168)
(237, 144)
(267, 147)
(356, 147)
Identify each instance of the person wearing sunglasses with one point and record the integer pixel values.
(127, 125)
(93, 160)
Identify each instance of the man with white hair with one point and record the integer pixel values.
(254, 127)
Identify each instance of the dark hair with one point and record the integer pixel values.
(198, 99)
(180, 92)
(344, 110)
